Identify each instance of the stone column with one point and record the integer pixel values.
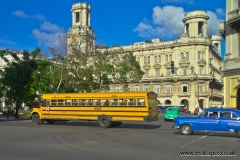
(205, 29)
(219, 48)
(73, 18)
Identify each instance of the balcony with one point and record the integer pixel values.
(184, 94)
(163, 95)
(222, 29)
(234, 18)
(202, 94)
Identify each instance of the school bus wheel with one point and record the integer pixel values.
(104, 121)
(36, 119)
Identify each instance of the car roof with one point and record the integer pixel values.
(222, 110)
(172, 108)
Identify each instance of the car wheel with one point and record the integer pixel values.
(104, 122)
(186, 129)
(238, 133)
(36, 119)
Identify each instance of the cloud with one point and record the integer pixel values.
(165, 23)
(213, 23)
(20, 14)
(220, 12)
(39, 17)
(47, 26)
(7, 41)
(48, 34)
(178, 1)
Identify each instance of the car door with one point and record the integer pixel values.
(228, 122)
(207, 122)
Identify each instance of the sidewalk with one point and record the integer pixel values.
(4, 118)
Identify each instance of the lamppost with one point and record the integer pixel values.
(192, 69)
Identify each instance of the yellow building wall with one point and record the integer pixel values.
(231, 86)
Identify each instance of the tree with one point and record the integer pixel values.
(95, 69)
(21, 78)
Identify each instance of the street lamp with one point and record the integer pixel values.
(192, 69)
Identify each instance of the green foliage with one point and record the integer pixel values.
(23, 77)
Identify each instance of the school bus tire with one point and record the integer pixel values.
(36, 119)
(104, 122)
(116, 124)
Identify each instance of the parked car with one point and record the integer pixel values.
(211, 120)
(171, 113)
(185, 110)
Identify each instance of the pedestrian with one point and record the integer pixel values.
(9, 113)
(199, 110)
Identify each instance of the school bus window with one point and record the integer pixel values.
(82, 102)
(53, 102)
(67, 102)
(141, 102)
(89, 102)
(46, 102)
(105, 102)
(123, 102)
(43, 103)
(97, 102)
(75, 102)
(132, 102)
(114, 102)
(60, 102)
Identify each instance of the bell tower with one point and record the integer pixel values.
(81, 33)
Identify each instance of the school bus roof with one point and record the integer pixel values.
(95, 95)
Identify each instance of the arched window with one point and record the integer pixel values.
(159, 59)
(170, 57)
(182, 55)
(166, 58)
(148, 59)
(187, 55)
(155, 59)
(138, 59)
(200, 55)
(145, 60)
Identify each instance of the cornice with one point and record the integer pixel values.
(232, 73)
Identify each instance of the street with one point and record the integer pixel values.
(20, 139)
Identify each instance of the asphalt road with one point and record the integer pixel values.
(20, 139)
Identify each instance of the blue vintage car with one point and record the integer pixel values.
(211, 120)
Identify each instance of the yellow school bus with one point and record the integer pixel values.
(109, 109)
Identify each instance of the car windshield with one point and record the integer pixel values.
(200, 115)
(172, 109)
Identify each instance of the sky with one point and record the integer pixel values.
(27, 24)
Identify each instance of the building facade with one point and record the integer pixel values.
(196, 80)
(230, 30)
